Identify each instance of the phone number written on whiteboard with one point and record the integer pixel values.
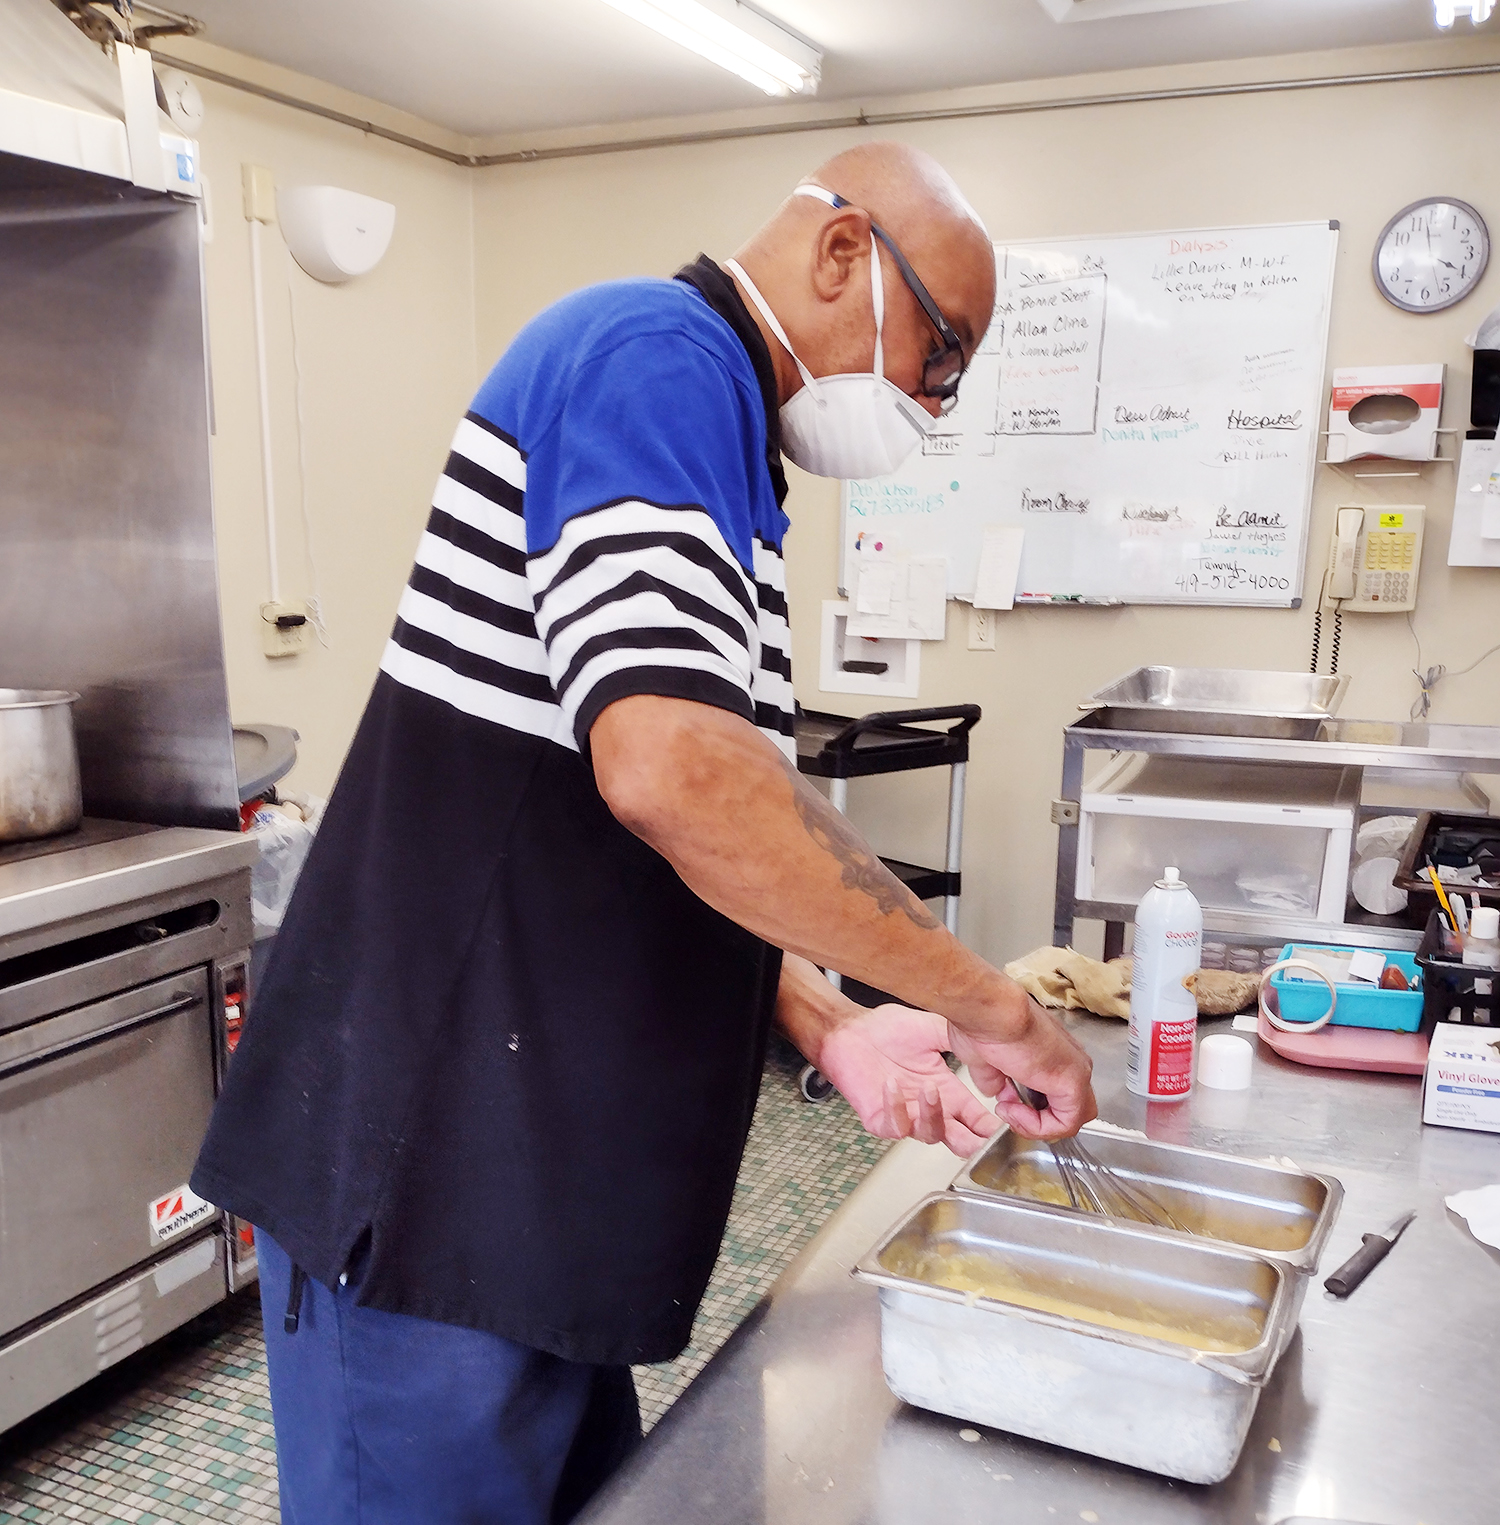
(1229, 577)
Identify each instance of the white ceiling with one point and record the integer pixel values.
(485, 67)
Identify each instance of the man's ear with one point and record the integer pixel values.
(837, 254)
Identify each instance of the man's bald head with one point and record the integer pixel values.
(811, 263)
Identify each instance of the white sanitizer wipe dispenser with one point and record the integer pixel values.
(1163, 1011)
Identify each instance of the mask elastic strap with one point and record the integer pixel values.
(877, 276)
(877, 301)
(808, 378)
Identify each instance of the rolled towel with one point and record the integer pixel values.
(1061, 978)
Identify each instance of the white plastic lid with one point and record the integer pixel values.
(1171, 880)
(1224, 1062)
(1485, 924)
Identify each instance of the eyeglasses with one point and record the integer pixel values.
(944, 367)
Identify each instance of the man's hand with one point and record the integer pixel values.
(1046, 1058)
(889, 1065)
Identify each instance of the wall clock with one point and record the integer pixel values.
(1431, 254)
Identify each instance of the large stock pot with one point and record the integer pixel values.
(40, 793)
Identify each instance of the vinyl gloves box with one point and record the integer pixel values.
(1462, 1084)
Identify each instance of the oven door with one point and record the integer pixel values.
(102, 1110)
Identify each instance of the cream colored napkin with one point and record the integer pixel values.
(1061, 977)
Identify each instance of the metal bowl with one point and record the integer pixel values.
(40, 791)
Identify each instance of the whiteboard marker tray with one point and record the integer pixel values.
(1219, 701)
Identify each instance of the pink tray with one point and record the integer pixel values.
(1350, 1048)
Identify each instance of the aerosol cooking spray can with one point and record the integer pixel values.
(1163, 1011)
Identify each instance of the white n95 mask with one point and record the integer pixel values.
(853, 425)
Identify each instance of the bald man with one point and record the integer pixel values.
(489, 1108)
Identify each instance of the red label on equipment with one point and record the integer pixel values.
(1170, 1069)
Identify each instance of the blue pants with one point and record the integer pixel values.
(383, 1419)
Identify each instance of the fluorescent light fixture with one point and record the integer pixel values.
(1104, 10)
(1448, 11)
(736, 38)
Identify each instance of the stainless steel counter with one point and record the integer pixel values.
(1380, 1411)
(42, 890)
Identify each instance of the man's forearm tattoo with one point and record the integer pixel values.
(861, 869)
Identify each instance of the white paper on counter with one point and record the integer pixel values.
(999, 566)
(1480, 1209)
(901, 598)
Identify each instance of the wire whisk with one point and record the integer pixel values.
(1092, 1187)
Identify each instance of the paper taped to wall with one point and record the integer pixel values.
(902, 598)
(876, 585)
(927, 597)
(1489, 507)
(999, 567)
(1468, 545)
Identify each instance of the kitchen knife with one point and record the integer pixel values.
(1372, 1251)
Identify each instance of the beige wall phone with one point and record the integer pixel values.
(1372, 569)
(1374, 559)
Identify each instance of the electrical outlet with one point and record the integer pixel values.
(284, 629)
(981, 629)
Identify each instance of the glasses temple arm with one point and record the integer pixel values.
(918, 290)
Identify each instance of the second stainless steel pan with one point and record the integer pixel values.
(1214, 701)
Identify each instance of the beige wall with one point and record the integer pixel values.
(1356, 154)
(388, 365)
(391, 359)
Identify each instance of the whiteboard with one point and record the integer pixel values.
(1146, 406)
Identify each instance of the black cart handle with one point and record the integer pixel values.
(967, 716)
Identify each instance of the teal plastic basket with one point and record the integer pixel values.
(1359, 1004)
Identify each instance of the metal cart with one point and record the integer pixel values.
(1391, 746)
(838, 749)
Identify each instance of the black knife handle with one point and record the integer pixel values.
(1371, 1252)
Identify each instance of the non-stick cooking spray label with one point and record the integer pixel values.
(1171, 1067)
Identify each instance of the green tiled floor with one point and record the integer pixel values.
(182, 1431)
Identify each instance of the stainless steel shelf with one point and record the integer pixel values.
(1269, 929)
(1415, 748)
(1392, 745)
